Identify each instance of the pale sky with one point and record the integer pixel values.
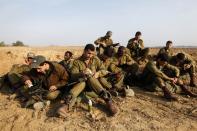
(75, 22)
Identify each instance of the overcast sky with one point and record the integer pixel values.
(73, 22)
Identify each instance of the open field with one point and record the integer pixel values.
(145, 111)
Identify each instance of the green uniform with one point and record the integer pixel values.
(14, 76)
(116, 79)
(154, 77)
(185, 74)
(166, 51)
(126, 63)
(67, 64)
(137, 50)
(106, 41)
(95, 65)
(188, 60)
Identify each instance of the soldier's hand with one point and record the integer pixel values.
(96, 75)
(175, 80)
(135, 41)
(187, 66)
(52, 88)
(103, 44)
(28, 83)
(88, 72)
(172, 80)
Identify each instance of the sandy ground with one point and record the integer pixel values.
(145, 111)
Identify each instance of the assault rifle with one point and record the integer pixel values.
(37, 90)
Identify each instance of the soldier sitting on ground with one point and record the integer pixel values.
(114, 81)
(186, 65)
(104, 42)
(89, 68)
(167, 50)
(126, 63)
(68, 61)
(14, 76)
(161, 75)
(152, 76)
(51, 75)
(136, 47)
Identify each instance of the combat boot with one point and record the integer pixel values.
(113, 110)
(193, 82)
(107, 98)
(188, 92)
(168, 94)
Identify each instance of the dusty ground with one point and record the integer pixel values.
(145, 111)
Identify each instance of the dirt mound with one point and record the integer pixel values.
(145, 111)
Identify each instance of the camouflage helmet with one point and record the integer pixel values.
(30, 55)
(109, 33)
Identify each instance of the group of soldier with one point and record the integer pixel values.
(106, 70)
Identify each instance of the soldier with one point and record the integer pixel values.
(125, 62)
(104, 42)
(51, 75)
(30, 58)
(159, 73)
(186, 65)
(167, 50)
(136, 47)
(13, 77)
(152, 75)
(68, 61)
(90, 67)
(114, 81)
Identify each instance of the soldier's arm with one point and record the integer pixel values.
(111, 42)
(141, 42)
(101, 68)
(63, 77)
(175, 69)
(152, 67)
(129, 60)
(75, 72)
(114, 69)
(27, 75)
(130, 44)
(161, 51)
(189, 59)
(98, 41)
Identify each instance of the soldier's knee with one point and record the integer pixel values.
(53, 95)
(105, 83)
(180, 82)
(77, 89)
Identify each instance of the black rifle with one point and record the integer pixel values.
(37, 90)
(112, 45)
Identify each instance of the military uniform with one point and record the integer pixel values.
(14, 77)
(106, 41)
(187, 75)
(126, 63)
(137, 50)
(78, 67)
(115, 79)
(166, 51)
(55, 76)
(155, 77)
(67, 64)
